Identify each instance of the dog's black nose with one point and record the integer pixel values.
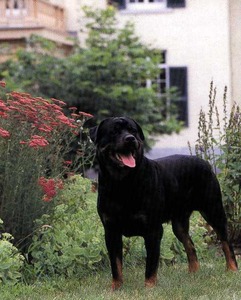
(130, 138)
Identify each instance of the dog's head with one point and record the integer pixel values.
(119, 142)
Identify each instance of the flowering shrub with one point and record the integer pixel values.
(39, 145)
(70, 240)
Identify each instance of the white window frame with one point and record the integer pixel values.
(146, 5)
(163, 84)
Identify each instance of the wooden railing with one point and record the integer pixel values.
(27, 13)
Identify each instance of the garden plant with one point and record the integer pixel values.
(49, 213)
(39, 146)
(56, 246)
(219, 142)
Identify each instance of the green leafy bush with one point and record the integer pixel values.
(69, 241)
(198, 233)
(11, 261)
(38, 146)
(219, 142)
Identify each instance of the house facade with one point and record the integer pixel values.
(19, 19)
(200, 42)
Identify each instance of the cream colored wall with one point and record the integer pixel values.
(72, 8)
(197, 37)
(235, 48)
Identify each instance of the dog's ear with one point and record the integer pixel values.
(140, 132)
(93, 134)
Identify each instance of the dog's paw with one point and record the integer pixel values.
(151, 282)
(116, 284)
(232, 266)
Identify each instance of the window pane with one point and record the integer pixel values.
(121, 4)
(181, 107)
(164, 56)
(178, 78)
(163, 74)
(175, 3)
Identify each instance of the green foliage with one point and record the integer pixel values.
(107, 78)
(69, 241)
(219, 142)
(36, 145)
(198, 233)
(111, 74)
(33, 72)
(11, 261)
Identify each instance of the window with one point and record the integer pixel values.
(176, 3)
(147, 4)
(145, 1)
(174, 77)
(178, 78)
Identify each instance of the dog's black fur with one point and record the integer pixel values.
(136, 195)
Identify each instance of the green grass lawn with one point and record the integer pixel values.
(211, 282)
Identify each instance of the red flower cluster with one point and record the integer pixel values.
(42, 118)
(38, 141)
(84, 114)
(4, 133)
(3, 110)
(50, 187)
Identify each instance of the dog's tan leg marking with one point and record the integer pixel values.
(151, 282)
(117, 282)
(231, 263)
(193, 264)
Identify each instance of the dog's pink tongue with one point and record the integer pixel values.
(128, 161)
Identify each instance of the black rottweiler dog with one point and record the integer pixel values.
(136, 195)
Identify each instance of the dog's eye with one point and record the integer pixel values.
(133, 130)
(114, 133)
(117, 130)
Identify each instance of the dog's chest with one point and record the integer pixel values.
(126, 214)
(128, 223)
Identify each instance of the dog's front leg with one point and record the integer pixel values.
(113, 241)
(152, 243)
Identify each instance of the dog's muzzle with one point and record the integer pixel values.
(126, 156)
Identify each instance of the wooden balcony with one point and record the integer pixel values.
(21, 18)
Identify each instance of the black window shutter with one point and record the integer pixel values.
(178, 79)
(176, 3)
(121, 4)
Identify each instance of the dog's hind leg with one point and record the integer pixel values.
(218, 221)
(181, 230)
